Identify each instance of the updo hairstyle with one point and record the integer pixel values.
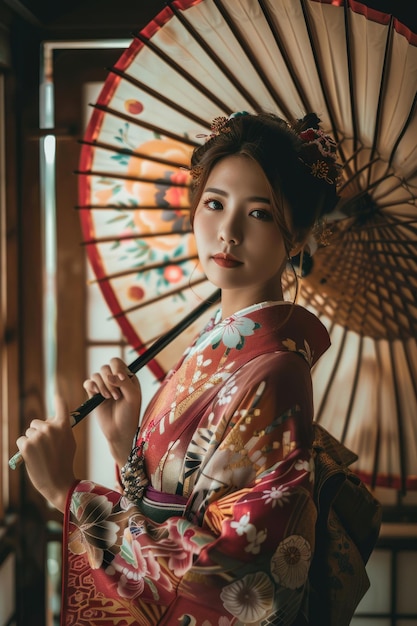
(300, 171)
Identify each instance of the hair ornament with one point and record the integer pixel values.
(322, 233)
(217, 126)
(325, 143)
(220, 125)
(318, 237)
(196, 172)
(319, 155)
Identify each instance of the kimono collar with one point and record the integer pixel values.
(278, 326)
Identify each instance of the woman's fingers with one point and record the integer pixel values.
(42, 427)
(62, 413)
(113, 380)
(91, 387)
(48, 448)
(98, 383)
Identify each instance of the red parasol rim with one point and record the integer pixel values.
(388, 481)
(86, 157)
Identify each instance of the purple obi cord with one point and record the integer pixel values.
(160, 506)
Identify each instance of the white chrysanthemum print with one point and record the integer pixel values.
(232, 332)
(201, 362)
(199, 374)
(306, 466)
(254, 546)
(225, 393)
(255, 539)
(244, 527)
(276, 495)
(250, 598)
(291, 562)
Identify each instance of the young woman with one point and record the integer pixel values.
(214, 523)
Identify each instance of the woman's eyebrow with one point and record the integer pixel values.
(215, 190)
(221, 192)
(259, 199)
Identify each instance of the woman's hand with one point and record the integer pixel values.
(48, 449)
(118, 415)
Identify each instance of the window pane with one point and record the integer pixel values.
(378, 597)
(101, 326)
(406, 583)
(374, 621)
(7, 578)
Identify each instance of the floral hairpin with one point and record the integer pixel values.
(196, 172)
(217, 126)
(319, 155)
(220, 125)
(325, 143)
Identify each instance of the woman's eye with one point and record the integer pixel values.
(214, 205)
(260, 214)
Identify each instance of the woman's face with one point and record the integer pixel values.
(240, 245)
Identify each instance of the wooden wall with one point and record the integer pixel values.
(24, 516)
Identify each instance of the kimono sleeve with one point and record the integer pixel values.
(243, 550)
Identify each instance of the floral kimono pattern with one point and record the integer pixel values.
(223, 533)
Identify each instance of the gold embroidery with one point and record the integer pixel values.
(287, 444)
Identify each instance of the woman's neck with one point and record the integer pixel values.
(235, 299)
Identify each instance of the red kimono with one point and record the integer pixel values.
(217, 522)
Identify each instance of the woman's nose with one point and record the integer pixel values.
(229, 232)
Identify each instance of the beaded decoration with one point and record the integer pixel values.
(133, 475)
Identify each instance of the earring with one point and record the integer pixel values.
(322, 233)
(302, 263)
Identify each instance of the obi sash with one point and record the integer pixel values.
(159, 506)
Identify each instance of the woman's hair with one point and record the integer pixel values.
(299, 162)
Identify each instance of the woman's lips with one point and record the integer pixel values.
(226, 260)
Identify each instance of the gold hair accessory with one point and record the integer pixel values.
(322, 233)
(319, 237)
(219, 125)
(196, 172)
(320, 169)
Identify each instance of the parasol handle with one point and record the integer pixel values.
(142, 360)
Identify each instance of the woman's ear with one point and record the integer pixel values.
(302, 242)
(296, 248)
